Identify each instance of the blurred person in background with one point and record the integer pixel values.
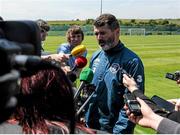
(75, 37)
(44, 28)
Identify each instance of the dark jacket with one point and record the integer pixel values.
(105, 110)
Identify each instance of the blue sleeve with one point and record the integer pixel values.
(135, 68)
(85, 54)
(63, 48)
(123, 125)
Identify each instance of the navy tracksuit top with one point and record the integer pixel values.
(105, 109)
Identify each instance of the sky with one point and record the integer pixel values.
(88, 9)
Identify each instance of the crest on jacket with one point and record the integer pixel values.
(114, 68)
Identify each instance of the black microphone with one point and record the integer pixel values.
(72, 76)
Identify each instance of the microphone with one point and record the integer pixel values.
(78, 50)
(80, 62)
(84, 104)
(72, 77)
(29, 63)
(86, 77)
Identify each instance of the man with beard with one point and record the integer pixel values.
(105, 109)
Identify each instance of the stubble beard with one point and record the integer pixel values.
(108, 44)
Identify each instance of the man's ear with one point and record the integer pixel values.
(117, 30)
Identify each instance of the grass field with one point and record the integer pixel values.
(160, 54)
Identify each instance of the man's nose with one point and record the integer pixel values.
(99, 37)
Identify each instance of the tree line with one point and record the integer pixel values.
(152, 26)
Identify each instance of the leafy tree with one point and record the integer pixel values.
(89, 21)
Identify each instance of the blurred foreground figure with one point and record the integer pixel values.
(45, 105)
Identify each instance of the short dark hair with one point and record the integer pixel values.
(107, 19)
(43, 25)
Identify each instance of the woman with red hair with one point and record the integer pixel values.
(45, 106)
(45, 103)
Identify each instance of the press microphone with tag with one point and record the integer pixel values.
(80, 62)
(86, 77)
(78, 50)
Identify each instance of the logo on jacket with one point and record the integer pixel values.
(95, 64)
(114, 68)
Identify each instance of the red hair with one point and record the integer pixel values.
(44, 97)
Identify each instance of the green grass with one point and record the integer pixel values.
(160, 54)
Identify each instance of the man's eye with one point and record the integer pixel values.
(96, 34)
(102, 33)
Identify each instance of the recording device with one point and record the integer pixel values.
(132, 103)
(17, 38)
(174, 76)
(8, 87)
(24, 34)
(84, 98)
(20, 50)
(123, 71)
(162, 103)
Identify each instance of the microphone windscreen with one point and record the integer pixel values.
(86, 75)
(78, 50)
(72, 77)
(80, 62)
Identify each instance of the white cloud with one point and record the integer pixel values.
(83, 9)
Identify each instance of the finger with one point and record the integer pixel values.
(125, 107)
(67, 56)
(140, 101)
(128, 112)
(132, 118)
(125, 76)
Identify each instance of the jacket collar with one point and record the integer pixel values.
(116, 49)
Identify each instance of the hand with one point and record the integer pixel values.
(129, 83)
(176, 102)
(178, 81)
(61, 57)
(148, 118)
(65, 68)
